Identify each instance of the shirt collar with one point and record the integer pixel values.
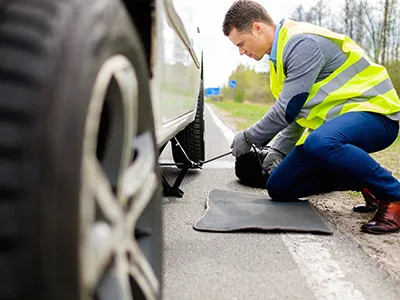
(272, 56)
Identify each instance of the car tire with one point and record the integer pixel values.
(79, 191)
(192, 137)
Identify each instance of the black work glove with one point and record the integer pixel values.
(272, 160)
(241, 144)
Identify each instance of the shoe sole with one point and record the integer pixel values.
(378, 232)
(364, 210)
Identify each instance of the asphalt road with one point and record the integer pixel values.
(200, 265)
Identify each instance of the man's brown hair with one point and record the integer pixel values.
(242, 14)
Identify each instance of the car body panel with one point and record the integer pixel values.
(176, 67)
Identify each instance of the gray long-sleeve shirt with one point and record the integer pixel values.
(307, 59)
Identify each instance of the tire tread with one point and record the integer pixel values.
(24, 29)
(192, 137)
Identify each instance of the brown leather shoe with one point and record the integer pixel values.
(386, 219)
(371, 203)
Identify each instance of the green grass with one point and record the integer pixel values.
(390, 158)
(242, 115)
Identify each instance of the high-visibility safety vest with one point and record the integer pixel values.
(358, 85)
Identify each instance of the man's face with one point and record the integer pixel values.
(255, 43)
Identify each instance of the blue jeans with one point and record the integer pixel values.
(335, 157)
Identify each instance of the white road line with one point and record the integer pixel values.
(226, 131)
(315, 261)
(229, 135)
(322, 271)
(218, 164)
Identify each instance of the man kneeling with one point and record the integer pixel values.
(344, 104)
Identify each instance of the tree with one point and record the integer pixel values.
(358, 24)
(392, 31)
(348, 19)
(319, 14)
(251, 86)
(299, 14)
(375, 27)
(385, 30)
(396, 56)
(320, 10)
(372, 25)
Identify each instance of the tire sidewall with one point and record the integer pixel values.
(96, 31)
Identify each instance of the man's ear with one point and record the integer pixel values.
(257, 27)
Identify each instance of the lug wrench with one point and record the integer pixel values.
(200, 163)
(215, 158)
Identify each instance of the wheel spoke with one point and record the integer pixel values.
(115, 284)
(101, 237)
(87, 219)
(127, 81)
(141, 190)
(140, 269)
(139, 203)
(123, 274)
(100, 250)
(133, 178)
(115, 190)
(101, 188)
(109, 287)
(142, 272)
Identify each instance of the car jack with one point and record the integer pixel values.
(174, 190)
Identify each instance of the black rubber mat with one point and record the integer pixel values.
(228, 211)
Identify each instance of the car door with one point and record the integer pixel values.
(189, 33)
(176, 71)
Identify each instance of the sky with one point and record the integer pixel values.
(221, 57)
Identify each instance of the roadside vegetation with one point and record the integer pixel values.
(241, 115)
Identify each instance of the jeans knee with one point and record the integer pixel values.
(274, 187)
(271, 188)
(317, 144)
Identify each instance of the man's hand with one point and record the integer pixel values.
(272, 160)
(241, 144)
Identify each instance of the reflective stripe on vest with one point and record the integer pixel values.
(357, 85)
